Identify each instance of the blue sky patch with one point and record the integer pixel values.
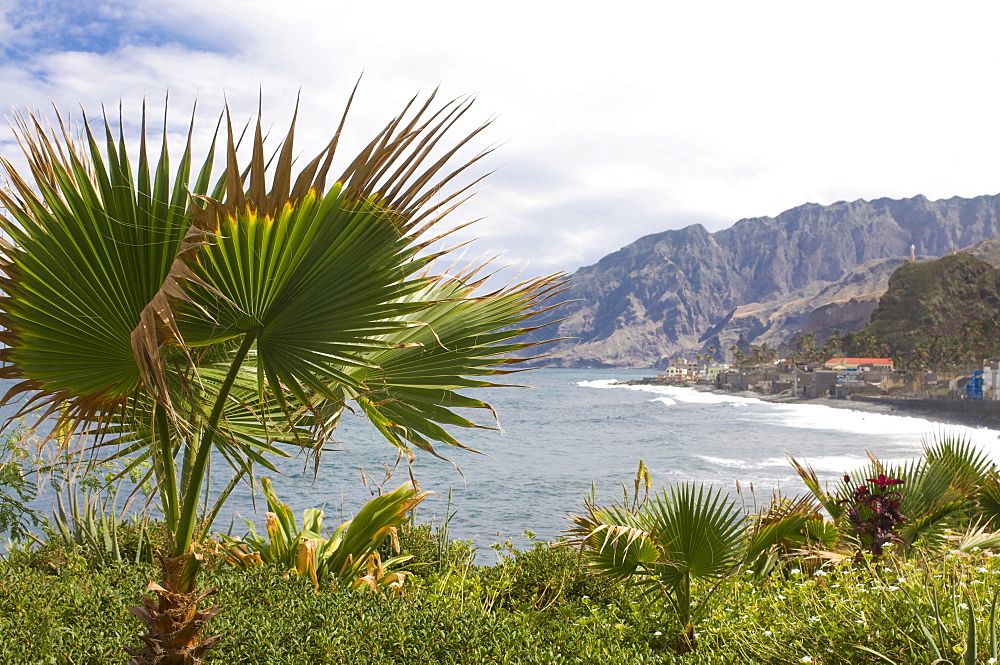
(92, 26)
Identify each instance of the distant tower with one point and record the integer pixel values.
(913, 253)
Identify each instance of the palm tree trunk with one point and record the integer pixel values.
(685, 641)
(173, 621)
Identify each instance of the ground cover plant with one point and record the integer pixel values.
(799, 600)
(664, 543)
(169, 314)
(535, 606)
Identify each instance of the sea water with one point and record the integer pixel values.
(576, 428)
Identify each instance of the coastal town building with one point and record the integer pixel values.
(858, 364)
(867, 378)
(712, 370)
(991, 378)
(675, 373)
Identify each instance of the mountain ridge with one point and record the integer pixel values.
(661, 294)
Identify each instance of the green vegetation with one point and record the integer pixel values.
(763, 354)
(349, 556)
(939, 314)
(170, 314)
(536, 606)
(16, 487)
(895, 564)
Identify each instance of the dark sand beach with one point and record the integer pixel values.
(966, 413)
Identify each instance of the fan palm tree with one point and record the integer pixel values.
(180, 316)
(685, 534)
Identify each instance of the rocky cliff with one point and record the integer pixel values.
(761, 278)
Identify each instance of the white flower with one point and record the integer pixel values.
(813, 619)
(963, 606)
(820, 573)
(795, 571)
(894, 588)
(981, 569)
(658, 633)
(767, 633)
(991, 660)
(806, 659)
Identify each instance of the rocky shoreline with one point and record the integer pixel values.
(949, 412)
(975, 414)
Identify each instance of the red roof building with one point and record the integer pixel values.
(859, 363)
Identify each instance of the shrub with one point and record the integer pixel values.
(16, 489)
(544, 575)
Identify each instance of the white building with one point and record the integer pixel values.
(991, 378)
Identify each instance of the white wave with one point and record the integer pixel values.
(890, 427)
(599, 383)
(897, 429)
(729, 463)
(664, 400)
(677, 393)
(823, 465)
(818, 416)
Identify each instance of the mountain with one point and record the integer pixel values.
(988, 250)
(758, 280)
(943, 311)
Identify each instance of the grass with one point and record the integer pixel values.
(534, 606)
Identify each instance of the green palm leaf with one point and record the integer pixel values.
(172, 321)
(168, 321)
(699, 530)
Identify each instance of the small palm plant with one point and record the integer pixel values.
(953, 488)
(184, 315)
(686, 534)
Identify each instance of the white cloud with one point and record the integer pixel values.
(615, 123)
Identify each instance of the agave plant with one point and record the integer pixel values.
(91, 522)
(349, 556)
(685, 534)
(180, 314)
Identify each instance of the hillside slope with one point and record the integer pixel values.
(672, 291)
(944, 311)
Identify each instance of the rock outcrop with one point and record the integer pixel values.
(761, 279)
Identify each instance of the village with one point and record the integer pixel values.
(838, 378)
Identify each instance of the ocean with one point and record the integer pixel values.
(573, 429)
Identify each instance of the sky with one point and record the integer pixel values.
(610, 120)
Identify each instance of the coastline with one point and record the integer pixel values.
(947, 412)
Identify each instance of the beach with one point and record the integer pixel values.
(966, 413)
